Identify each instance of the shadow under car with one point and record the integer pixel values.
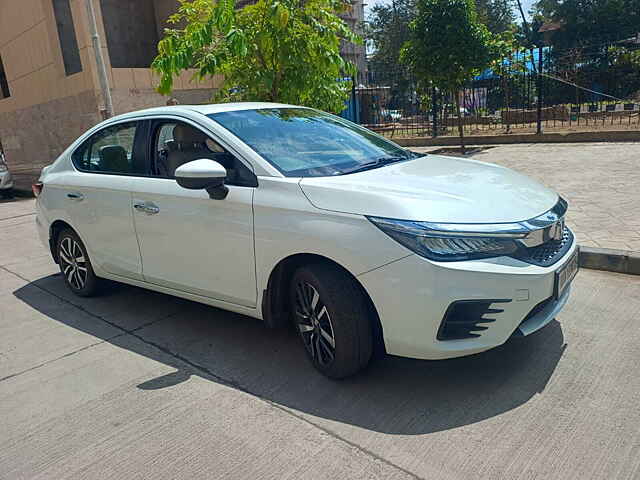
(394, 395)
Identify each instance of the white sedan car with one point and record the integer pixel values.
(289, 214)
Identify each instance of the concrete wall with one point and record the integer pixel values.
(34, 136)
(47, 109)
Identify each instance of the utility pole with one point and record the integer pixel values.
(102, 69)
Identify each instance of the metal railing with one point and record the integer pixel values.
(581, 89)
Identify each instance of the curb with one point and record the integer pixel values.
(572, 137)
(610, 260)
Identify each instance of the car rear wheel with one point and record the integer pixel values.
(75, 264)
(331, 315)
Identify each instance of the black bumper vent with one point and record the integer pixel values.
(464, 318)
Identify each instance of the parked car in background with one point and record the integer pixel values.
(295, 216)
(391, 115)
(6, 181)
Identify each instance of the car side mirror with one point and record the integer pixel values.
(203, 174)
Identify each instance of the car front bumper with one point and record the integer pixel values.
(6, 181)
(412, 296)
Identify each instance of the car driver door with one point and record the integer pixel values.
(189, 241)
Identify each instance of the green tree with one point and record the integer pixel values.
(273, 50)
(387, 30)
(497, 15)
(448, 46)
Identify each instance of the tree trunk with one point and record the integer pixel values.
(460, 128)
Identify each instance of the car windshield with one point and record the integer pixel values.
(301, 142)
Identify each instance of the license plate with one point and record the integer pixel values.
(566, 273)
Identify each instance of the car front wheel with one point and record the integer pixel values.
(75, 264)
(331, 315)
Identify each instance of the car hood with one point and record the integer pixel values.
(435, 189)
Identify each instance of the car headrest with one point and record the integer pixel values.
(113, 158)
(186, 134)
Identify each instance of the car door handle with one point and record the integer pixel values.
(75, 196)
(148, 208)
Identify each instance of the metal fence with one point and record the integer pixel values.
(587, 88)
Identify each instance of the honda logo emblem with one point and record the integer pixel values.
(557, 230)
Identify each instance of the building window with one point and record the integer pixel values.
(4, 84)
(131, 29)
(67, 37)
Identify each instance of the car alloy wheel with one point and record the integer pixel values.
(314, 323)
(73, 263)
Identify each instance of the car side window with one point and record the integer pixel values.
(111, 150)
(177, 143)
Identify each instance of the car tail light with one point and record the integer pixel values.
(36, 188)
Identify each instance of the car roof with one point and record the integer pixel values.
(206, 109)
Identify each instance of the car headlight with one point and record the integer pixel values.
(3, 167)
(453, 241)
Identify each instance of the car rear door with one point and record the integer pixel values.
(98, 196)
(188, 241)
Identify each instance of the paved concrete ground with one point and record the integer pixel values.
(601, 181)
(136, 384)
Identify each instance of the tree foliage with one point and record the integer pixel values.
(273, 50)
(448, 44)
(387, 27)
(591, 47)
(589, 21)
(497, 15)
(387, 31)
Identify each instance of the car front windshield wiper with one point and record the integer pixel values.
(380, 162)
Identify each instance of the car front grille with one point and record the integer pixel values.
(548, 253)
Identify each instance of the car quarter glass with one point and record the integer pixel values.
(111, 150)
(357, 243)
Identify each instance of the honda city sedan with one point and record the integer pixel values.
(295, 216)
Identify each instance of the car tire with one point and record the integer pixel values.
(7, 193)
(331, 314)
(75, 265)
